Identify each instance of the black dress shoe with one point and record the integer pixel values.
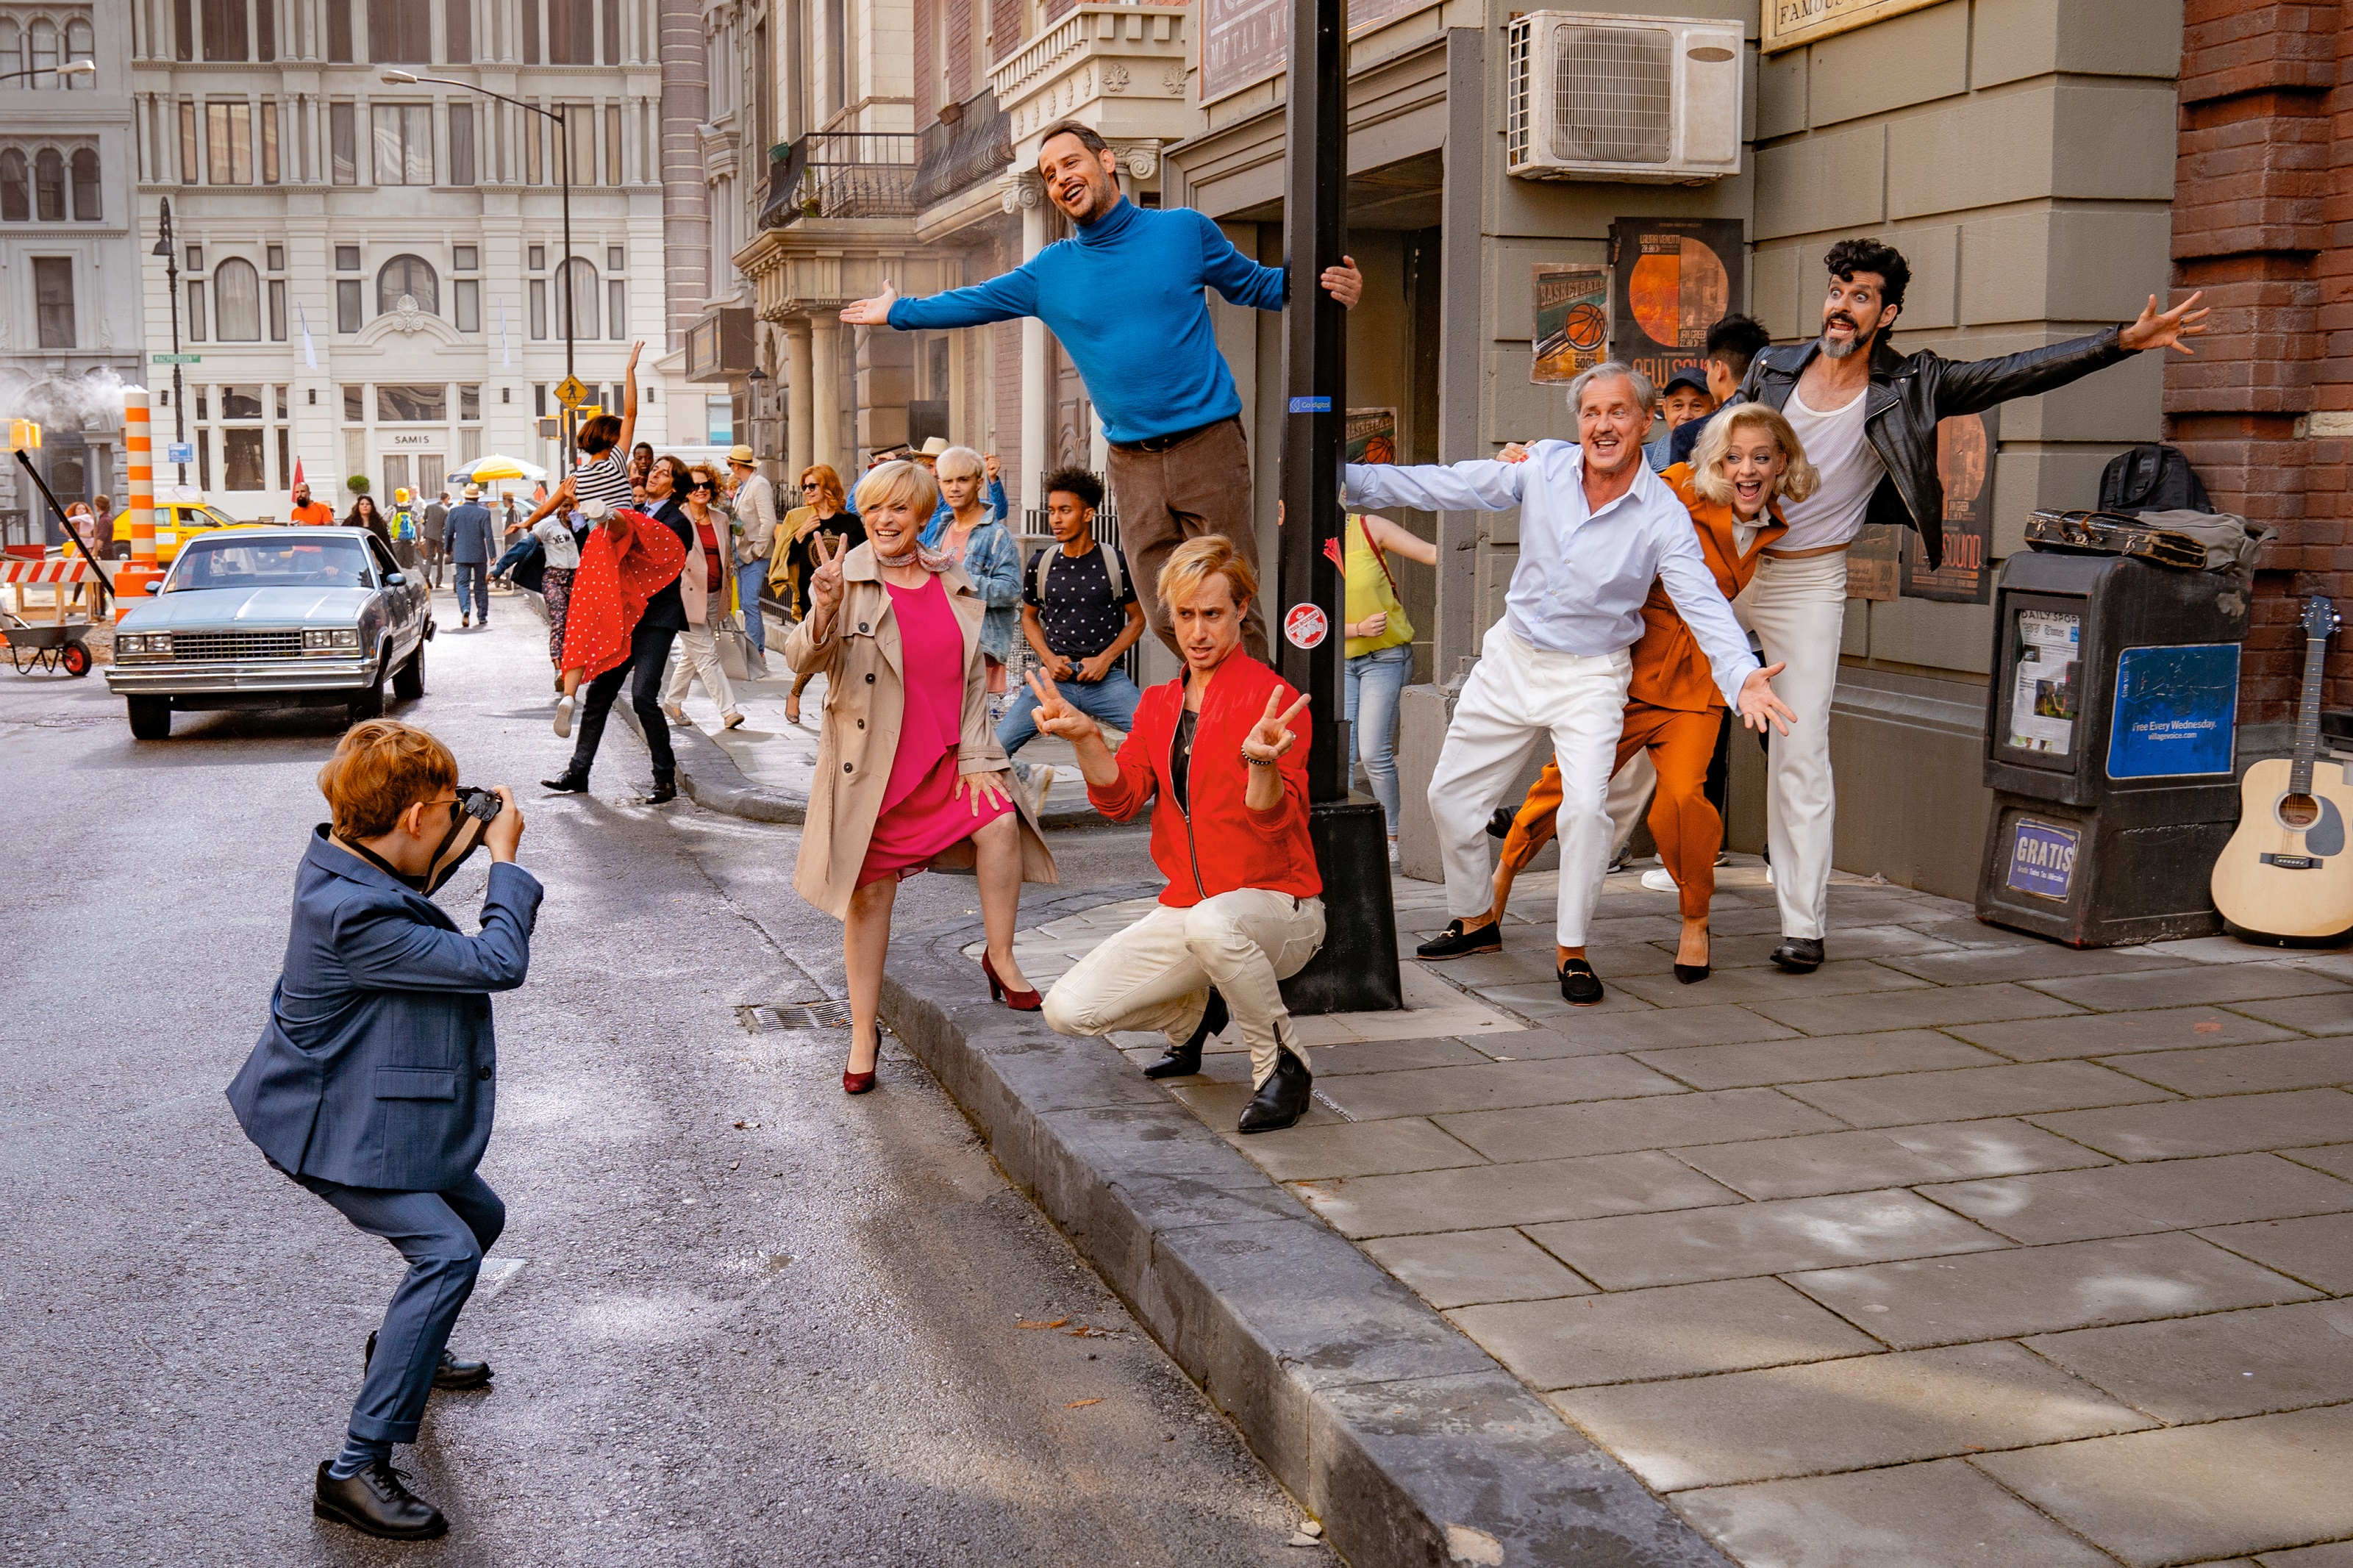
(1800, 954)
(1281, 1100)
(1459, 942)
(1500, 825)
(451, 1373)
(1580, 987)
(375, 1502)
(1185, 1060)
(663, 792)
(566, 784)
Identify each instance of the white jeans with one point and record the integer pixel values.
(1516, 696)
(1798, 610)
(698, 653)
(1158, 973)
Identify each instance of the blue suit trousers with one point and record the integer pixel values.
(444, 1236)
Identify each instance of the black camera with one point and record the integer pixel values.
(470, 815)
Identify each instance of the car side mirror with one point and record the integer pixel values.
(395, 579)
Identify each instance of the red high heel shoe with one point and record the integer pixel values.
(1019, 1001)
(859, 1082)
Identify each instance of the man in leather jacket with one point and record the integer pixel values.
(1867, 417)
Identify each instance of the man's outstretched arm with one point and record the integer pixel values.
(1003, 297)
(1258, 287)
(1969, 386)
(1481, 485)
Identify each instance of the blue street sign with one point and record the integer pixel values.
(179, 451)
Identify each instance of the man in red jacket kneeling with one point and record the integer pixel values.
(1215, 755)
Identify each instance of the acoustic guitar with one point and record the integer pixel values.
(2285, 875)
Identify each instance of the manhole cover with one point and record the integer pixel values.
(769, 1017)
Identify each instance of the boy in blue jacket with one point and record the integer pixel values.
(373, 1080)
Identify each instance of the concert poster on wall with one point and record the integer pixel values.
(1672, 279)
(1874, 563)
(1572, 308)
(1371, 436)
(1966, 446)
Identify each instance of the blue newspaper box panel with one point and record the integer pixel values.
(2110, 733)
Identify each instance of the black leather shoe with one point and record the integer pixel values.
(451, 1373)
(1500, 825)
(1800, 954)
(1281, 1100)
(1185, 1060)
(663, 792)
(1580, 987)
(566, 784)
(1461, 942)
(375, 1502)
(1691, 974)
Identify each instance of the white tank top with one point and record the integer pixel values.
(1836, 445)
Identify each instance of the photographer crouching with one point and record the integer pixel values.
(373, 1080)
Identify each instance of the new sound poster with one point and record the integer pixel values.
(1672, 279)
(1572, 303)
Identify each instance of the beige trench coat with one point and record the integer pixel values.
(865, 695)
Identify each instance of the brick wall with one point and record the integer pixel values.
(927, 71)
(2262, 221)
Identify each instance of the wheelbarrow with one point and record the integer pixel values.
(34, 648)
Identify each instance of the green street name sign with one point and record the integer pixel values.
(176, 359)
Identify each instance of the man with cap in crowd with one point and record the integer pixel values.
(1686, 399)
(473, 539)
(755, 521)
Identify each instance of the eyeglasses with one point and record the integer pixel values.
(811, 485)
(698, 485)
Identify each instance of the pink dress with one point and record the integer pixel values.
(922, 812)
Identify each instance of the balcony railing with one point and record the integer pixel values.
(971, 142)
(840, 174)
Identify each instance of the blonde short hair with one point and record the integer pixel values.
(1799, 479)
(380, 769)
(900, 482)
(1195, 561)
(958, 460)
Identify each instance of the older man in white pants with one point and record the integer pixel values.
(1596, 528)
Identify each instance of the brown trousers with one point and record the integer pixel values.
(1201, 485)
(1685, 827)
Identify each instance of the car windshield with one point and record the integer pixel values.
(270, 563)
(212, 516)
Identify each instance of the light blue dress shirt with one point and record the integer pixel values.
(1582, 576)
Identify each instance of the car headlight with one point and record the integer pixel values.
(347, 638)
(144, 643)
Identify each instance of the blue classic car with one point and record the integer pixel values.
(273, 617)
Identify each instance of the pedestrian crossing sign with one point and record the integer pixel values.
(570, 393)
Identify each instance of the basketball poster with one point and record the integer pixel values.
(1572, 319)
(1673, 278)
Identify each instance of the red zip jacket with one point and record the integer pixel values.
(1221, 844)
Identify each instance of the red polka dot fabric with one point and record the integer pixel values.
(626, 562)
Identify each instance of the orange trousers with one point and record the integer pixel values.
(1686, 828)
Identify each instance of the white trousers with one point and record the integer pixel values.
(1798, 610)
(1158, 973)
(1516, 696)
(1630, 798)
(698, 653)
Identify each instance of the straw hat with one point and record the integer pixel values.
(934, 447)
(741, 455)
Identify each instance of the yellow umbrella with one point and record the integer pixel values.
(497, 467)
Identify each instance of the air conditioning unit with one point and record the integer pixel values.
(1653, 98)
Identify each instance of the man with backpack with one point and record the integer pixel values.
(1080, 611)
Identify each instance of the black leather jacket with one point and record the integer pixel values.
(1909, 393)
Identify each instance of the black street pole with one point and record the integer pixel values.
(164, 248)
(571, 284)
(1357, 969)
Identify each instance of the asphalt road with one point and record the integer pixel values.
(758, 1321)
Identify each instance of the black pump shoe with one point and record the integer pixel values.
(1691, 974)
(1580, 987)
(1460, 941)
(1185, 1060)
(1800, 954)
(451, 1373)
(1281, 1100)
(375, 1502)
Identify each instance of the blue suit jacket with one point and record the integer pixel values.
(473, 537)
(377, 1067)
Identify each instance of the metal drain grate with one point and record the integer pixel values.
(770, 1018)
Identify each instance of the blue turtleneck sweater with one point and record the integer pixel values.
(1123, 295)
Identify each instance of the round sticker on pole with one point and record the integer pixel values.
(1305, 625)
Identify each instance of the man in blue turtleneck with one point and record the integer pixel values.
(1124, 295)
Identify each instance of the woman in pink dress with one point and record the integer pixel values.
(909, 772)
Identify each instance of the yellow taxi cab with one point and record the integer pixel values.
(181, 514)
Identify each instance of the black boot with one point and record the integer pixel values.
(1800, 954)
(375, 1502)
(451, 1373)
(664, 791)
(1281, 1100)
(566, 782)
(1185, 1060)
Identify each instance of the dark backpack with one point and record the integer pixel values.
(2152, 477)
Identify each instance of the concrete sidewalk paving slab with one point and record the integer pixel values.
(1678, 1331)
(2043, 1289)
(1960, 967)
(2084, 1035)
(2179, 1495)
(1873, 941)
(1804, 1060)
(1462, 1267)
(2337, 1554)
(2010, 1089)
(2233, 1126)
(2203, 985)
(1610, 1127)
(1932, 1007)
(2131, 1200)
(2337, 1159)
(1838, 977)
(2245, 1069)
(1824, 1163)
(2323, 1013)
(2186, 1370)
(1735, 1240)
(2317, 1251)
(1661, 1028)
(1530, 1192)
(1939, 1514)
(1851, 1415)
(1436, 1091)
(1331, 1152)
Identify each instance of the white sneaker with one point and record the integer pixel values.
(563, 716)
(1769, 874)
(1659, 881)
(1041, 779)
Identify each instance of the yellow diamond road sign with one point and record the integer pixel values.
(571, 393)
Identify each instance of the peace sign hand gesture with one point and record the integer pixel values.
(1271, 737)
(1055, 715)
(825, 586)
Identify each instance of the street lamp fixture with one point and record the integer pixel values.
(172, 286)
(72, 68)
(565, 282)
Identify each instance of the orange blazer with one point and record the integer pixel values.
(1670, 668)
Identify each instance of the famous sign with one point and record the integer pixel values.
(1790, 22)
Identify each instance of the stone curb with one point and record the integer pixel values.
(1409, 1441)
(708, 776)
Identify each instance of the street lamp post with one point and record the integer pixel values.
(172, 283)
(1357, 969)
(72, 68)
(566, 283)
